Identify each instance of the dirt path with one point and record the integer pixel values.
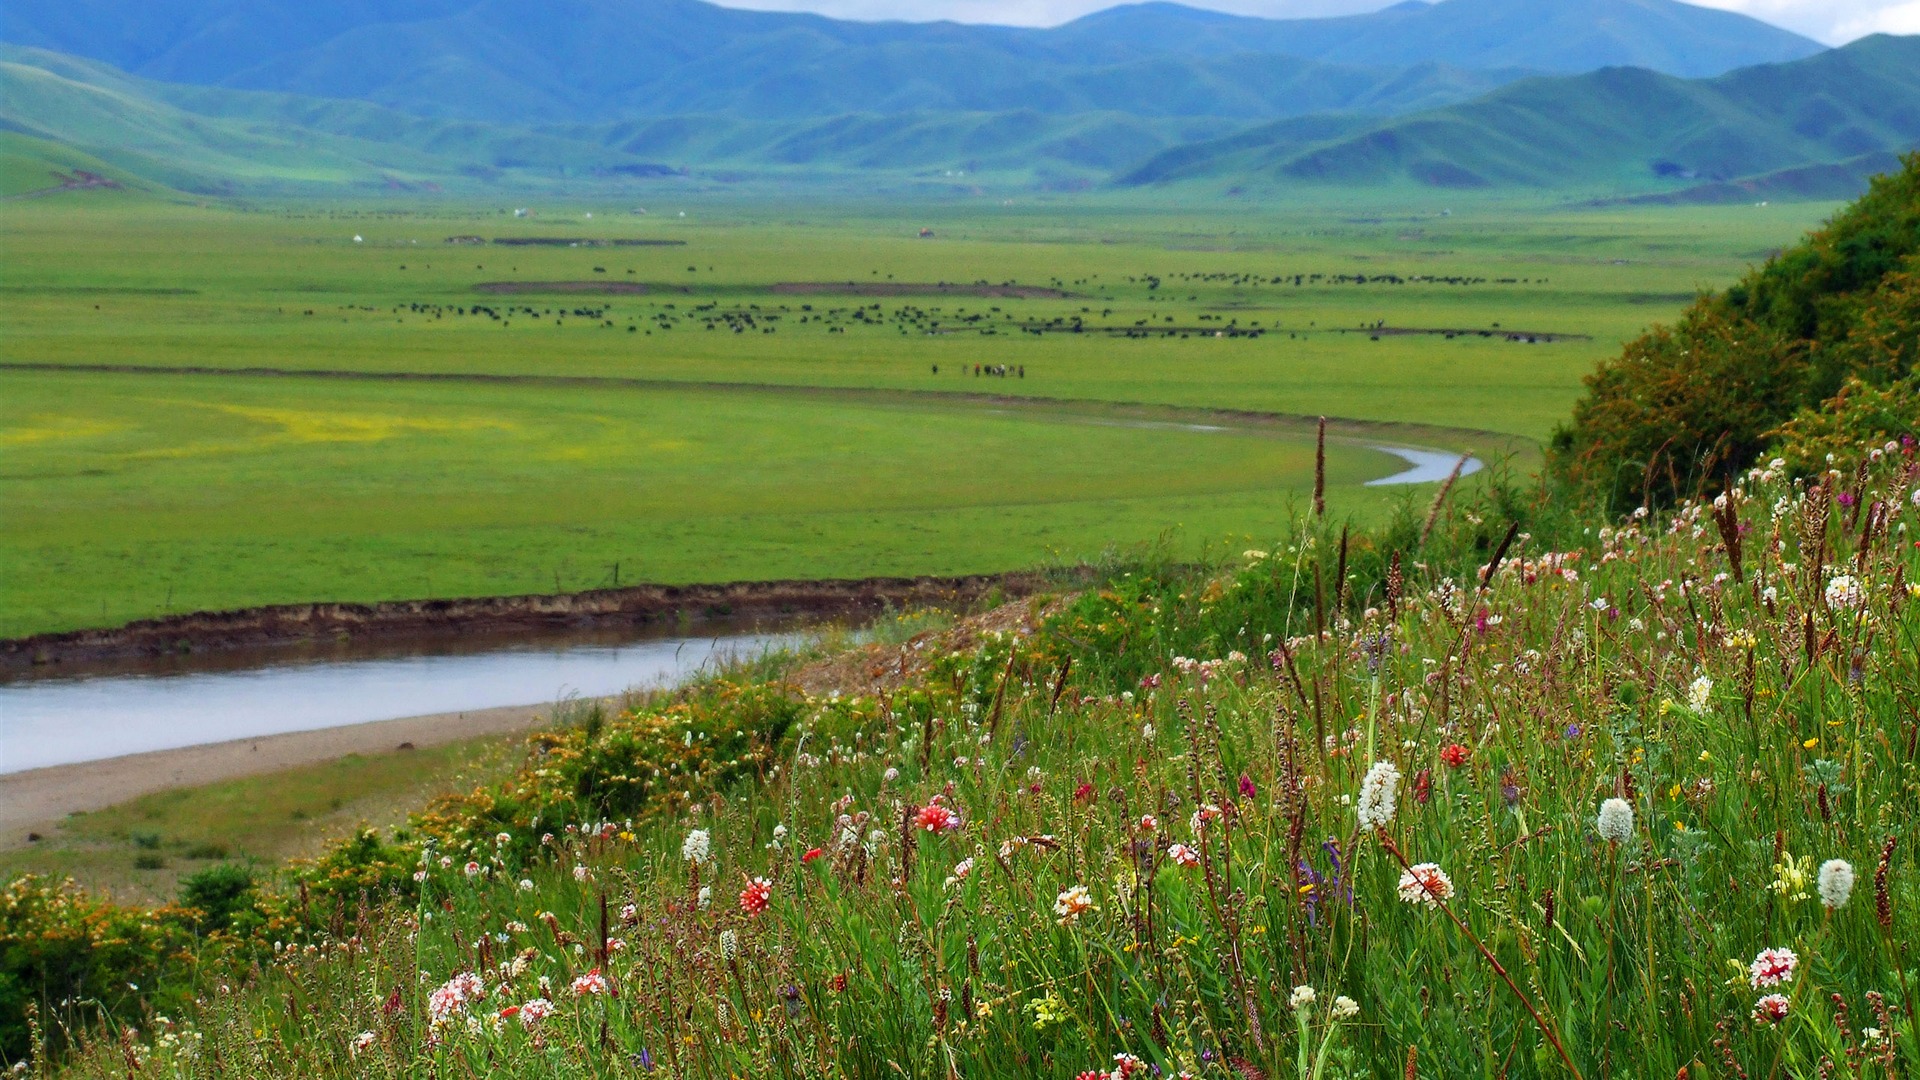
(915, 288)
(36, 800)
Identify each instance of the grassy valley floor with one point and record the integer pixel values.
(143, 494)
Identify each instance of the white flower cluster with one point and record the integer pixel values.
(1616, 821)
(1378, 794)
(697, 848)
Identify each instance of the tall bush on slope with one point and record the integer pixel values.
(1685, 407)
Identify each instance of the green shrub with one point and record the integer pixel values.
(218, 893)
(1684, 408)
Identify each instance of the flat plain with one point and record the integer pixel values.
(210, 407)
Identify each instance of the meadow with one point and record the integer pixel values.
(777, 391)
(1442, 799)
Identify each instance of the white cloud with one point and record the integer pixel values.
(1042, 12)
(1832, 21)
(1835, 22)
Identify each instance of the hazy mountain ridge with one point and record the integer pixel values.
(1624, 127)
(1814, 128)
(556, 61)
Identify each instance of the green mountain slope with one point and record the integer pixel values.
(253, 142)
(31, 167)
(210, 139)
(526, 61)
(1620, 128)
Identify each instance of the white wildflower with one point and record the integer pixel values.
(1836, 883)
(697, 848)
(1699, 692)
(1378, 792)
(1616, 821)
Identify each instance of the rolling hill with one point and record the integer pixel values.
(1813, 128)
(570, 61)
(214, 140)
(1624, 129)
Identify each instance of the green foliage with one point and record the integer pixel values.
(219, 893)
(1685, 408)
(1860, 415)
(79, 960)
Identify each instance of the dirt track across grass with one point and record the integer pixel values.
(596, 288)
(915, 288)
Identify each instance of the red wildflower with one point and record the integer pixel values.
(812, 854)
(839, 982)
(1455, 755)
(935, 818)
(756, 897)
(1422, 787)
(1083, 793)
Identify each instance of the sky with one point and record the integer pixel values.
(1832, 21)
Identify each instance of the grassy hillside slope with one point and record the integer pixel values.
(520, 61)
(1623, 128)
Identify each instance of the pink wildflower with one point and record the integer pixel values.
(1772, 967)
(591, 983)
(935, 817)
(1425, 884)
(757, 896)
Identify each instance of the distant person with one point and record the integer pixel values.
(936, 369)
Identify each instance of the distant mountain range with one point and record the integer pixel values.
(1140, 96)
(1618, 127)
(562, 61)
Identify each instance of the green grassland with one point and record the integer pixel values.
(713, 428)
(138, 851)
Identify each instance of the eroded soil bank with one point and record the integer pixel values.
(286, 625)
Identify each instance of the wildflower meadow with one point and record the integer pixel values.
(1439, 800)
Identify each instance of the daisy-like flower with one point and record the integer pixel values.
(1425, 883)
(1379, 791)
(1836, 883)
(1182, 855)
(697, 848)
(935, 818)
(1845, 592)
(757, 896)
(592, 983)
(1616, 821)
(1771, 967)
(1073, 903)
(1771, 1009)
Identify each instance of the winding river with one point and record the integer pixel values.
(63, 720)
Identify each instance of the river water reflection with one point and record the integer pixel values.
(64, 719)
